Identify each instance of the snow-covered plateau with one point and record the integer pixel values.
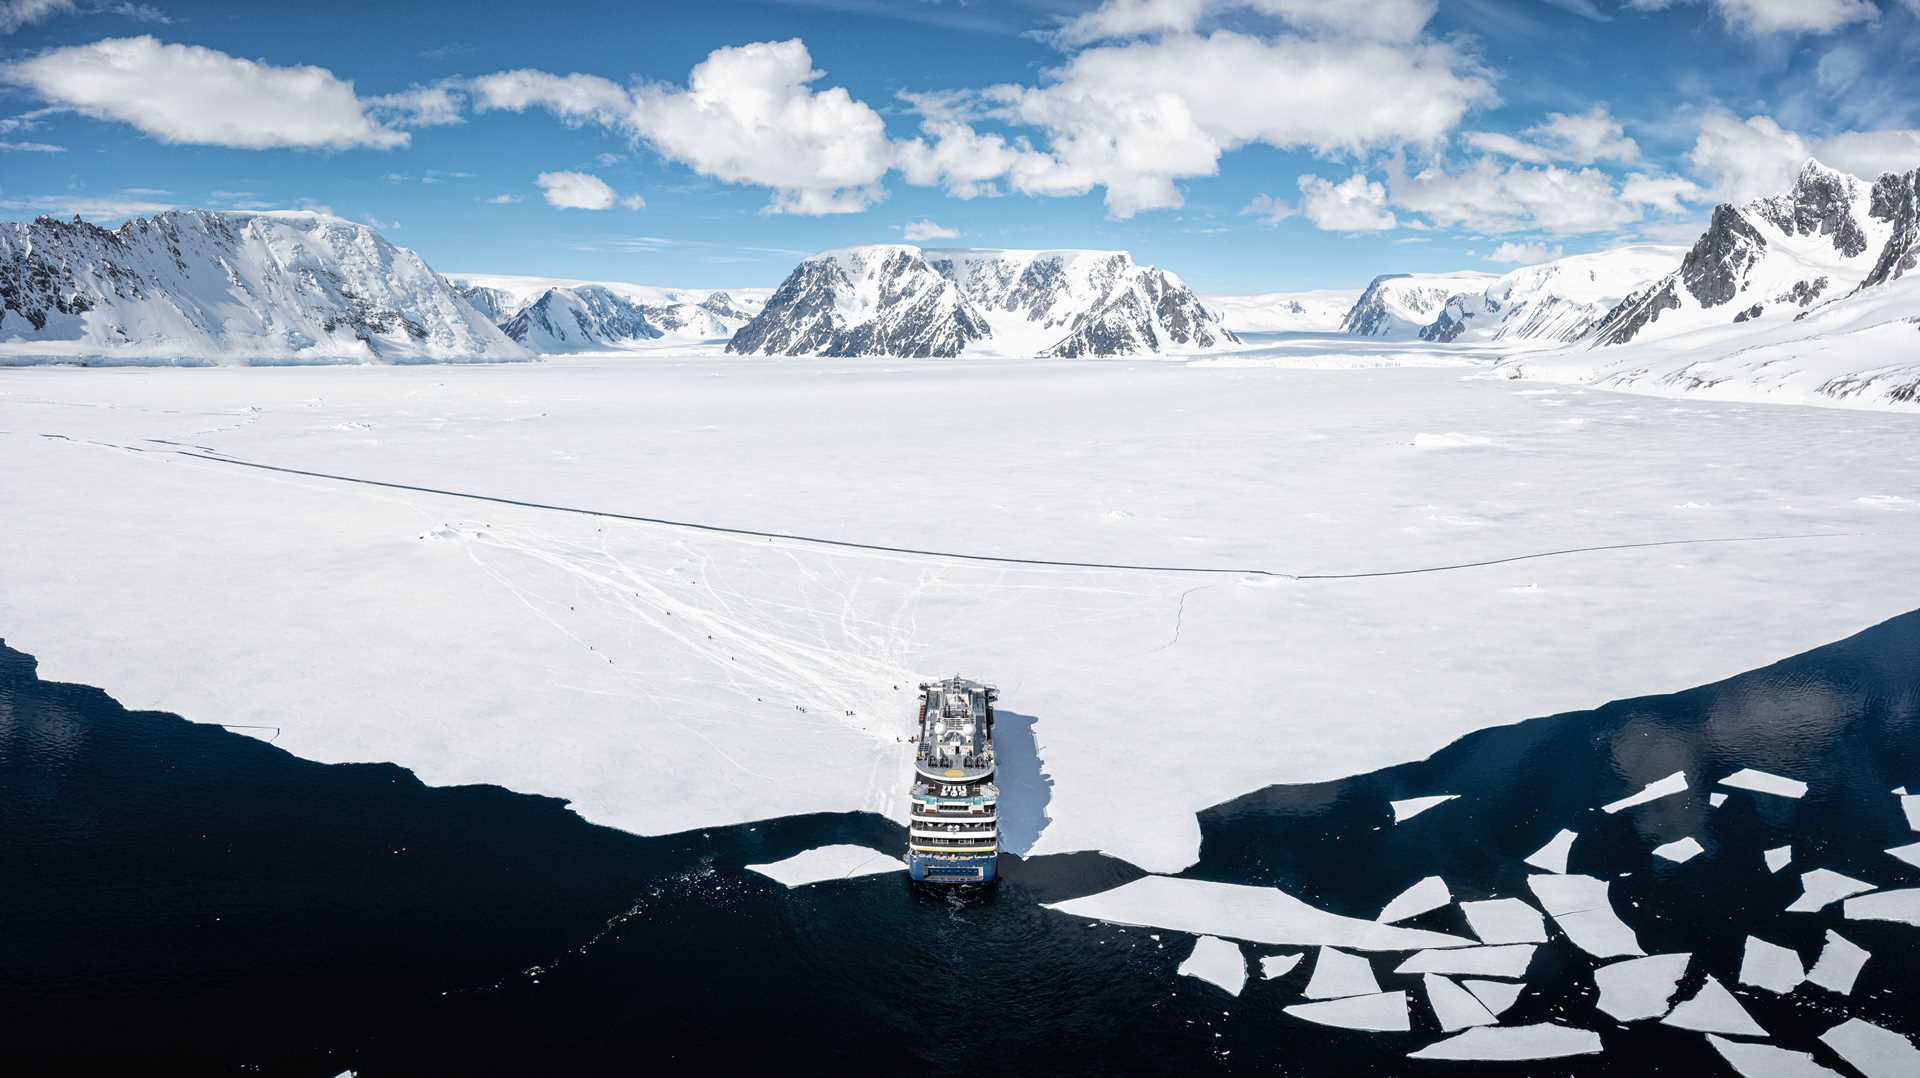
(663, 678)
(1317, 311)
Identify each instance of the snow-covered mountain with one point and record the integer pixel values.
(195, 286)
(1317, 311)
(1561, 300)
(896, 299)
(1402, 304)
(552, 316)
(1809, 295)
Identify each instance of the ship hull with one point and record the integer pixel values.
(942, 870)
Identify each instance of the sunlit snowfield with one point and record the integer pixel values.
(664, 678)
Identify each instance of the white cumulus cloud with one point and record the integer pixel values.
(1524, 254)
(190, 94)
(576, 190)
(924, 229)
(1581, 138)
(1487, 196)
(1795, 16)
(1355, 204)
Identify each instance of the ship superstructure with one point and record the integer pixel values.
(954, 835)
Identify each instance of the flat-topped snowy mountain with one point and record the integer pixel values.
(551, 316)
(1561, 300)
(1317, 311)
(1808, 295)
(1402, 304)
(195, 286)
(900, 300)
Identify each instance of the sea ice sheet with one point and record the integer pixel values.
(1507, 961)
(1218, 962)
(1582, 908)
(1779, 857)
(1337, 973)
(1385, 1012)
(1505, 920)
(1454, 1006)
(1278, 965)
(1652, 791)
(1766, 1061)
(1910, 853)
(1902, 906)
(1680, 851)
(1430, 893)
(1910, 806)
(829, 863)
(1771, 966)
(1873, 1051)
(1553, 856)
(1761, 782)
(1839, 965)
(1239, 911)
(1544, 1040)
(1637, 988)
(1496, 996)
(1822, 887)
(1714, 1010)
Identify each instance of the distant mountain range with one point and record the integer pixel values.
(1318, 311)
(900, 300)
(552, 316)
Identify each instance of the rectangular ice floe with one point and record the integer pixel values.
(1680, 851)
(1640, 987)
(1822, 887)
(1217, 962)
(1839, 966)
(1505, 920)
(1716, 799)
(1337, 973)
(1429, 894)
(1507, 961)
(1652, 791)
(1496, 996)
(1765, 1061)
(1278, 965)
(1553, 856)
(1384, 1012)
(1771, 966)
(1779, 857)
(1544, 1040)
(1874, 1052)
(1414, 806)
(1239, 911)
(1902, 906)
(1761, 782)
(829, 863)
(1581, 907)
(1454, 1006)
(1714, 1010)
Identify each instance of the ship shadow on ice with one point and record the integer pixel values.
(1025, 786)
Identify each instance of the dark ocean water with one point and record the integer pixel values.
(178, 898)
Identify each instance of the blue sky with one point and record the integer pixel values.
(1250, 145)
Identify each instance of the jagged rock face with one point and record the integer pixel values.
(1820, 204)
(198, 286)
(496, 304)
(1896, 200)
(1559, 300)
(1718, 264)
(862, 302)
(898, 300)
(580, 319)
(1403, 304)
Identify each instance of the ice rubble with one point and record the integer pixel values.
(1430, 893)
(1637, 988)
(1766, 1061)
(1873, 1051)
(1218, 962)
(829, 863)
(1542, 1040)
(1240, 911)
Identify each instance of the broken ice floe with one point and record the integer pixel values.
(829, 863)
(1429, 894)
(1716, 799)
(1714, 1010)
(1910, 853)
(1839, 965)
(1454, 1006)
(1414, 806)
(1217, 962)
(1278, 965)
(1544, 1040)
(1822, 887)
(1779, 857)
(1384, 1012)
(1553, 856)
(1902, 906)
(1505, 920)
(1508, 961)
(1761, 782)
(1495, 996)
(1639, 988)
(1680, 851)
(1874, 1052)
(1771, 966)
(1910, 804)
(1581, 907)
(1765, 1061)
(1653, 791)
(1337, 974)
(1239, 911)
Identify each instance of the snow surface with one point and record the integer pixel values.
(1385, 1012)
(1430, 893)
(1840, 963)
(1319, 310)
(1653, 791)
(1217, 962)
(1874, 1052)
(829, 863)
(1771, 966)
(1766, 1061)
(1680, 850)
(1505, 920)
(1414, 806)
(1337, 974)
(1714, 1010)
(1553, 856)
(1453, 1005)
(1240, 911)
(1542, 1040)
(1822, 887)
(1637, 988)
(642, 673)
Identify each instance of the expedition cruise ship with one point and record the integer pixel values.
(954, 836)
